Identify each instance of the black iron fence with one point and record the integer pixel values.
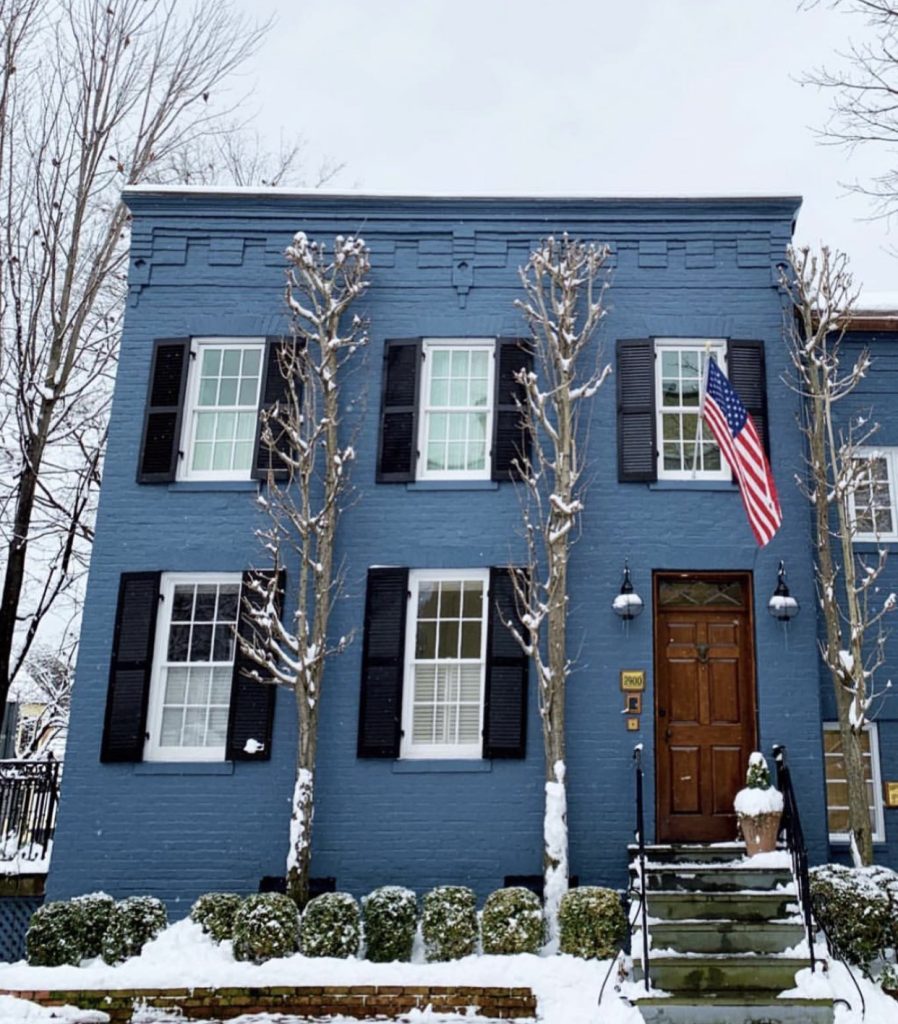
(29, 796)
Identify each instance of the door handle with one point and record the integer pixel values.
(702, 650)
(662, 712)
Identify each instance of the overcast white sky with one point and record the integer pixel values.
(598, 97)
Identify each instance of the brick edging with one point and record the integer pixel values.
(302, 1000)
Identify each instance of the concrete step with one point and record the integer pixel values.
(722, 936)
(745, 1008)
(741, 906)
(719, 974)
(669, 853)
(716, 878)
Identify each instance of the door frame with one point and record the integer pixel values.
(746, 576)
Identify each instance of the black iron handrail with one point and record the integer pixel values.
(640, 839)
(29, 796)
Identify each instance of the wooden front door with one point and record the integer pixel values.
(705, 721)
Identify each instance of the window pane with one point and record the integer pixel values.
(440, 367)
(227, 603)
(473, 600)
(230, 362)
(458, 392)
(456, 455)
(243, 455)
(450, 600)
(204, 608)
(178, 641)
(171, 727)
(252, 362)
(247, 392)
(208, 391)
(428, 600)
(176, 685)
(220, 686)
(202, 456)
(211, 361)
(205, 426)
(448, 647)
(217, 727)
(194, 727)
(182, 604)
(221, 456)
(439, 425)
(470, 640)
(426, 640)
(439, 392)
(223, 648)
(201, 643)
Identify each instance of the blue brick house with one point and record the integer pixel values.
(418, 785)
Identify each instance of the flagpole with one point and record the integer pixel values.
(701, 406)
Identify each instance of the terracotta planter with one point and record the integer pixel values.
(759, 832)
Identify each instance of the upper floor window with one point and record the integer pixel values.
(874, 500)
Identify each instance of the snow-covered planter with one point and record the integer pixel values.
(55, 935)
(214, 913)
(266, 926)
(390, 914)
(591, 922)
(758, 807)
(96, 912)
(512, 922)
(330, 926)
(132, 923)
(856, 910)
(449, 923)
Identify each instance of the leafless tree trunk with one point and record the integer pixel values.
(564, 284)
(93, 96)
(822, 291)
(303, 510)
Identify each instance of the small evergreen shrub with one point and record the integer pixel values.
(96, 910)
(512, 921)
(55, 935)
(758, 774)
(132, 924)
(214, 913)
(856, 908)
(265, 926)
(591, 922)
(449, 923)
(391, 916)
(330, 926)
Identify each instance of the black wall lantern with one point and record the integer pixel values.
(627, 604)
(782, 605)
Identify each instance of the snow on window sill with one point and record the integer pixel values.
(435, 765)
(693, 485)
(184, 768)
(869, 546)
(214, 485)
(453, 485)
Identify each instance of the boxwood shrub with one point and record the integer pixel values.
(214, 913)
(96, 912)
(55, 935)
(512, 921)
(266, 926)
(857, 908)
(390, 914)
(449, 923)
(591, 922)
(132, 923)
(330, 926)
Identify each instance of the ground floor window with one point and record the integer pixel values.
(837, 786)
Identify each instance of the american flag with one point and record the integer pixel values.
(738, 439)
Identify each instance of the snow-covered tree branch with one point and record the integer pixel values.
(304, 500)
(564, 291)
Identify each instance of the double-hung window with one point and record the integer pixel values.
(837, 785)
(445, 663)
(874, 505)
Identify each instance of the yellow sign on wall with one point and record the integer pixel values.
(632, 680)
(891, 793)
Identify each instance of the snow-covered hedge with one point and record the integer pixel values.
(266, 926)
(55, 935)
(330, 926)
(391, 916)
(512, 921)
(591, 922)
(858, 910)
(132, 923)
(214, 913)
(96, 912)
(449, 923)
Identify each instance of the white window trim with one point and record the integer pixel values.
(718, 348)
(407, 749)
(427, 347)
(879, 825)
(153, 751)
(890, 454)
(191, 397)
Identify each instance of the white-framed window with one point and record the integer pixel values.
(445, 664)
(193, 663)
(686, 448)
(456, 416)
(873, 503)
(222, 408)
(837, 786)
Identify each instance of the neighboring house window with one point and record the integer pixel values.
(874, 503)
(450, 409)
(445, 661)
(456, 410)
(190, 690)
(837, 786)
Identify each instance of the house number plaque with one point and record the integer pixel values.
(891, 793)
(632, 681)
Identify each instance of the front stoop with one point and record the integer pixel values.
(719, 929)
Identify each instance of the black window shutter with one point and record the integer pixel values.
(274, 389)
(398, 447)
(507, 674)
(383, 656)
(636, 445)
(159, 448)
(252, 702)
(746, 372)
(510, 438)
(124, 730)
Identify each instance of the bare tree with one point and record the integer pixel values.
(93, 96)
(564, 284)
(303, 508)
(840, 487)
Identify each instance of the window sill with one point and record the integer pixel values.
(214, 485)
(870, 547)
(436, 766)
(693, 485)
(184, 768)
(453, 485)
